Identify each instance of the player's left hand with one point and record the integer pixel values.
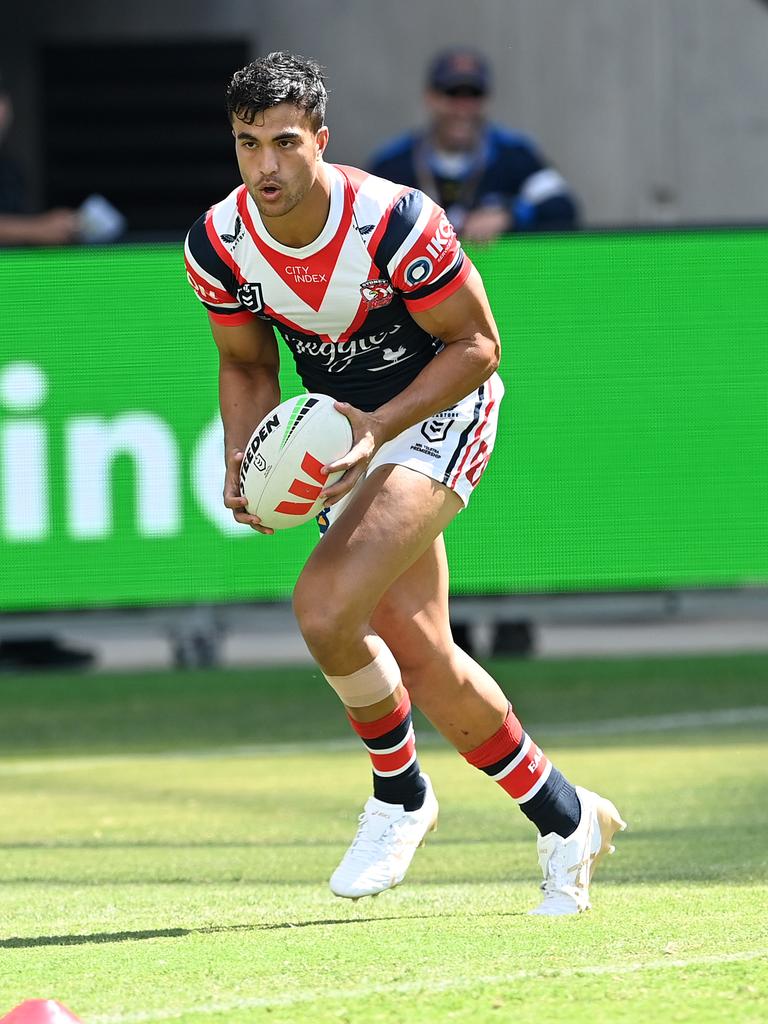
(367, 437)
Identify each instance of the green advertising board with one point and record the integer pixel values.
(632, 453)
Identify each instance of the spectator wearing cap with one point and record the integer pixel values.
(489, 180)
(19, 226)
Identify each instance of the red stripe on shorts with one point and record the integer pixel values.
(478, 434)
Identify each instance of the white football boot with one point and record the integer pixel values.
(382, 850)
(568, 864)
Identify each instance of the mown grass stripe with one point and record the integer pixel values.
(430, 986)
(608, 726)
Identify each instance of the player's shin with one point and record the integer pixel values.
(389, 738)
(518, 765)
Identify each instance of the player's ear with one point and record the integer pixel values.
(321, 140)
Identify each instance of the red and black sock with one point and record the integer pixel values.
(511, 758)
(391, 744)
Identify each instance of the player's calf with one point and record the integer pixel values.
(575, 825)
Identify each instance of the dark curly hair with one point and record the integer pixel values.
(278, 78)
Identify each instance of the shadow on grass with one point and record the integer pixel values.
(33, 941)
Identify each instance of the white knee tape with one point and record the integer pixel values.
(369, 684)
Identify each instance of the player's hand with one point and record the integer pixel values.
(56, 227)
(367, 437)
(234, 500)
(485, 224)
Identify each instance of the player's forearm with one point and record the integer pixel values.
(246, 394)
(18, 229)
(454, 373)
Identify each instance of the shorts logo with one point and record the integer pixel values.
(249, 296)
(437, 428)
(424, 449)
(377, 292)
(418, 271)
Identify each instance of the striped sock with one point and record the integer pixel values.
(511, 758)
(391, 743)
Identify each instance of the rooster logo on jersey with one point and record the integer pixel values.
(377, 292)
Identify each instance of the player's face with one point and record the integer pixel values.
(279, 157)
(457, 118)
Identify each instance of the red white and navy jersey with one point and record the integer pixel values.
(342, 303)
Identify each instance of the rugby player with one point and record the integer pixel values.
(368, 285)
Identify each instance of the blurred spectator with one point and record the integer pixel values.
(17, 225)
(488, 179)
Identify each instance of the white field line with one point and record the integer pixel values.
(429, 987)
(606, 726)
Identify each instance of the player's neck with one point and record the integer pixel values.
(304, 223)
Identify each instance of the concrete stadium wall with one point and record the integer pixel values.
(655, 110)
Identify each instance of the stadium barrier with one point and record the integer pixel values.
(632, 455)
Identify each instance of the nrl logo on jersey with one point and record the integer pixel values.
(249, 296)
(238, 232)
(377, 292)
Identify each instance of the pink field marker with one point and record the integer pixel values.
(40, 1011)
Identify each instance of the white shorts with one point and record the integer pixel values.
(452, 447)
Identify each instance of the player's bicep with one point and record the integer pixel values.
(463, 315)
(252, 344)
(441, 289)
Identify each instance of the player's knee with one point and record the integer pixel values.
(323, 614)
(314, 619)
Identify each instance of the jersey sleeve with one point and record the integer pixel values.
(212, 279)
(421, 252)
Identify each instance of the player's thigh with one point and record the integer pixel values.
(396, 514)
(412, 616)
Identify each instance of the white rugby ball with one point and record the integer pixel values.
(280, 472)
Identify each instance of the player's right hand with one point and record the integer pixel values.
(234, 500)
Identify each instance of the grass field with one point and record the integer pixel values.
(166, 840)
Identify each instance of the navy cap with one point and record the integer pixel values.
(459, 69)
